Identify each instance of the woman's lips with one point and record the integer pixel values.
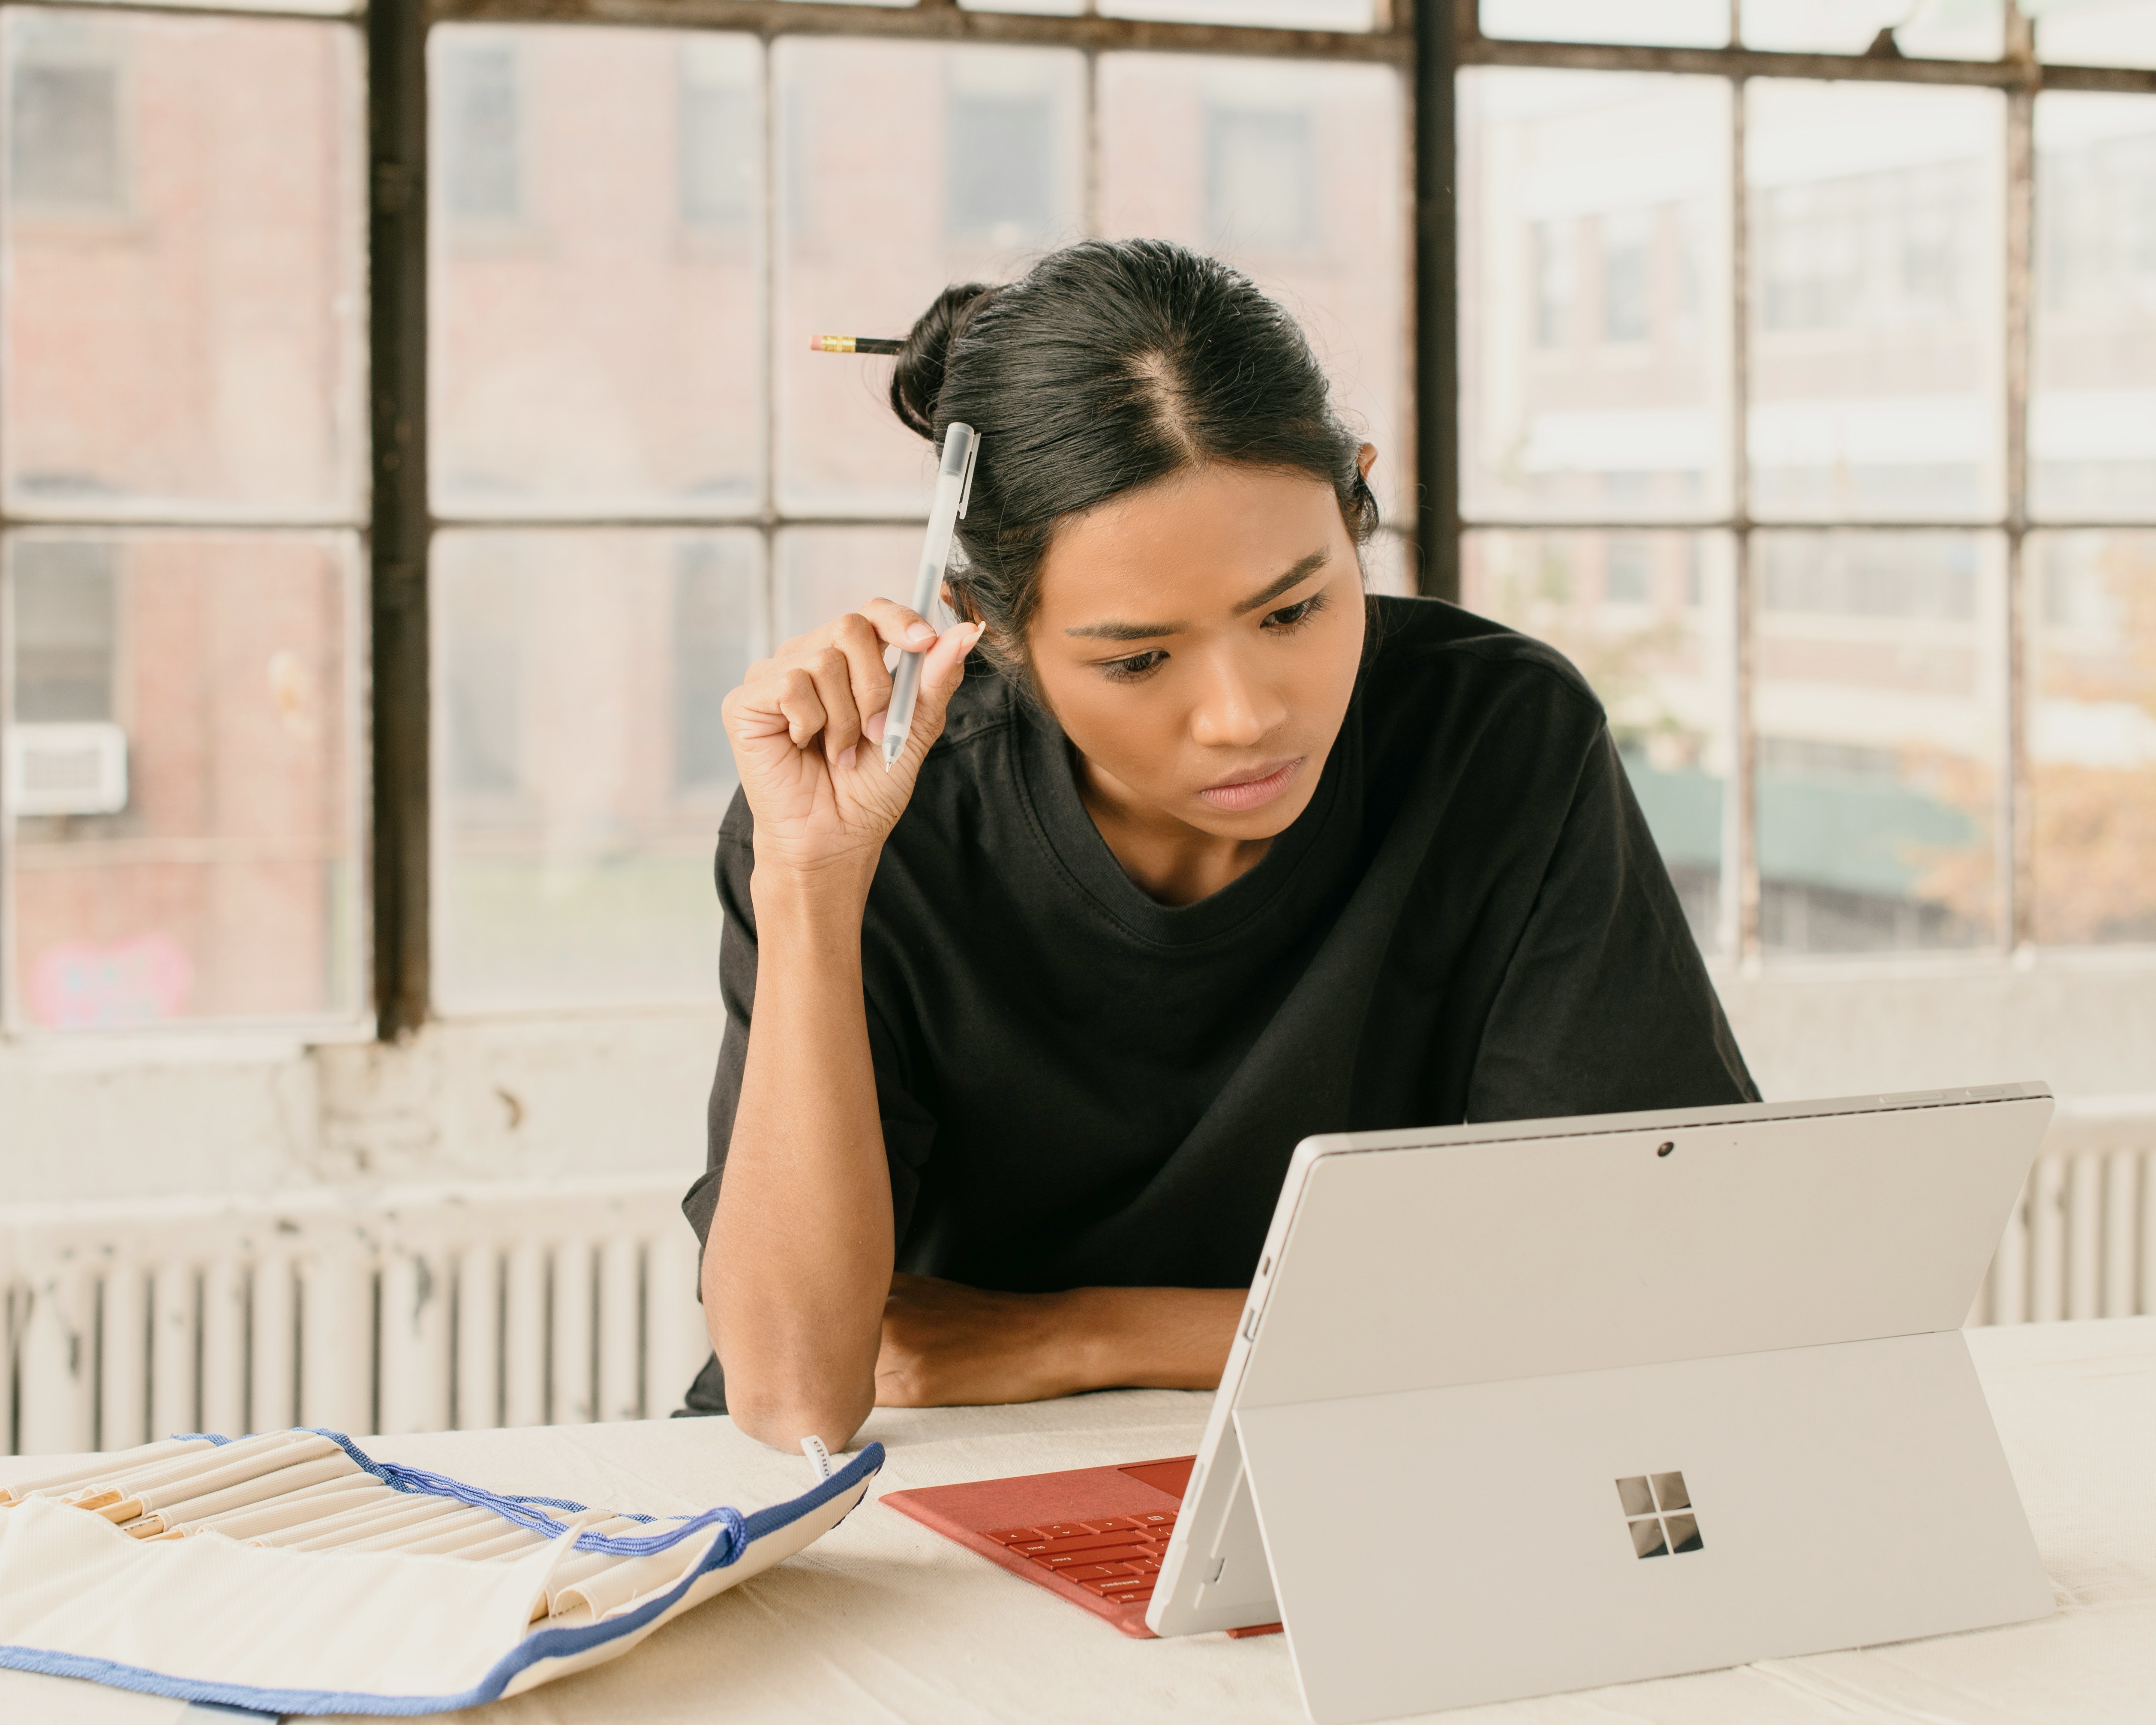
(1240, 795)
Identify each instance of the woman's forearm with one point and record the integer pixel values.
(798, 1263)
(1156, 1339)
(946, 1344)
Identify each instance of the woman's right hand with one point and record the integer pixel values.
(807, 730)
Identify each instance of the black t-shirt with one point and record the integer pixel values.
(1081, 1086)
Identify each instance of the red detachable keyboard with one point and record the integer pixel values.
(1115, 1557)
(1094, 1535)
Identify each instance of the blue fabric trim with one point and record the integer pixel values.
(518, 1511)
(544, 1645)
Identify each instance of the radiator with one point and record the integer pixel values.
(446, 1308)
(413, 1309)
(2082, 1243)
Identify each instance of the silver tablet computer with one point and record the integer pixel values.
(1540, 1405)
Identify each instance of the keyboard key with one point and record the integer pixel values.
(1111, 1524)
(1064, 1530)
(1157, 1518)
(1084, 1542)
(1069, 1559)
(1090, 1572)
(1014, 1536)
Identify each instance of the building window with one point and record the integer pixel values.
(1000, 161)
(720, 149)
(481, 114)
(1629, 577)
(1557, 277)
(63, 133)
(1628, 262)
(66, 626)
(1261, 190)
(715, 637)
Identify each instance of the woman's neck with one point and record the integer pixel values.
(1167, 859)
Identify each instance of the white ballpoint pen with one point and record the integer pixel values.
(954, 490)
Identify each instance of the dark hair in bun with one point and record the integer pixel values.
(1110, 365)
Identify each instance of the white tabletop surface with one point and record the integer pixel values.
(884, 1621)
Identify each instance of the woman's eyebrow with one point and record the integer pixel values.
(1296, 572)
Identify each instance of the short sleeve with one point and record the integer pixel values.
(1605, 1005)
(909, 1130)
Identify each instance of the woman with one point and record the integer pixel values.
(1200, 851)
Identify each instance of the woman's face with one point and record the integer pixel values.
(1198, 641)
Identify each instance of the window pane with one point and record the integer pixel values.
(582, 767)
(1927, 29)
(1877, 282)
(1646, 619)
(1678, 23)
(1389, 564)
(2092, 402)
(1594, 327)
(1279, 14)
(2092, 735)
(597, 242)
(1878, 715)
(2097, 32)
(825, 572)
(184, 776)
(903, 168)
(1291, 171)
(184, 260)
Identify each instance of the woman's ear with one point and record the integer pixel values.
(1366, 458)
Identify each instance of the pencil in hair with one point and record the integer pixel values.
(852, 344)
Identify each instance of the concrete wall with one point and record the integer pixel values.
(505, 1099)
(623, 1093)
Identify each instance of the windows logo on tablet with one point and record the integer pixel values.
(1659, 1511)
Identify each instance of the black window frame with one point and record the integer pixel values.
(1429, 41)
(1418, 45)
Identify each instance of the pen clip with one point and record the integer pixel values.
(966, 485)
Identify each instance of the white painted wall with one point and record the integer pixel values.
(536, 1098)
(507, 1099)
(2086, 1024)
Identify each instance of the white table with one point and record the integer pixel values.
(884, 1621)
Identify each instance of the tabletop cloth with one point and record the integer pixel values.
(882, 1621)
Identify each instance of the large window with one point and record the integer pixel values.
(1808, 405)
(643, 477)
(408, 433)
(183, 488)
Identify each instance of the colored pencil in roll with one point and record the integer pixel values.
(852, 344)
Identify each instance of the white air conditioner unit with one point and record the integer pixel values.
(67, 769)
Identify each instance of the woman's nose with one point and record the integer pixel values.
(1235, 710)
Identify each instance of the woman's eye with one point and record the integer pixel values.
(1129, 670)
(1293, 616)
